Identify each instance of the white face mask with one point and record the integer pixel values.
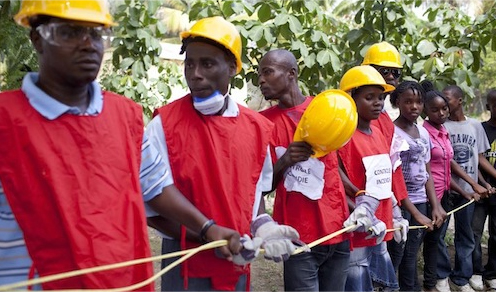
(209, 105)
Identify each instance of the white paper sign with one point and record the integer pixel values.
(306, 177)
(378, 172)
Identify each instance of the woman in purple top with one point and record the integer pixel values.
(409, 99)
(436, 108)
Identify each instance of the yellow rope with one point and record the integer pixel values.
(186, 254)
(70, 274)
(425, 226)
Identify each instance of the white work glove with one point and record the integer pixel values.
(277, 239)
(364, 217)
(251, 248)
(401, 223)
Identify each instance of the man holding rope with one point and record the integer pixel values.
(219, 158)
(75, 165)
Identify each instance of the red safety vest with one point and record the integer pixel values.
(216, 162)
(312, 219)
(386, 125)
(363, 145)
(73, 186)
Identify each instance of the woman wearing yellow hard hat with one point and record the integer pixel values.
(367, 175)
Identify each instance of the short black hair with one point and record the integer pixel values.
(456, 90)
(405, 86)
(191, 39)
(491, 95)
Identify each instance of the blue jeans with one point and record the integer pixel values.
(381, 268)
(359, 278)
(363, 269)
(407, 272)
(172, 280)
(481, 209)
(431, 253)
(443, 258)
(324, 268)
(464, 245)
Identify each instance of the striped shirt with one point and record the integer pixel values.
(154, 176)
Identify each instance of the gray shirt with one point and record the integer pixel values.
(468, 140)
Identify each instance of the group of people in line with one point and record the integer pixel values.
(81, 177)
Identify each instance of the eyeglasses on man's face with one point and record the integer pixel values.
(71, 35)
(386, 71)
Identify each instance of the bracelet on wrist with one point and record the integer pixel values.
(204, 229)
(360, 192)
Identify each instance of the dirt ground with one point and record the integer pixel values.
(267, 275)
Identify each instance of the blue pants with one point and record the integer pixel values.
(407, 271)
(443, 258)
(481, 209)
(323, 269)
(431, 253)
(464, 245)
(368, 264)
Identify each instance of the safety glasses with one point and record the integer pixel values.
(71, 35)
(386, 71)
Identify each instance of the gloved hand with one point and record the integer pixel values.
(364, 217)
(251, 248)
(277, 239)
(399, 222)
(377, 230)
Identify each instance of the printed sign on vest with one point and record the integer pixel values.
(306, 177)
(378, 171)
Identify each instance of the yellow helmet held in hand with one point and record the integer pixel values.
(219, 30)
(88, 10)
(328, 122)
(361, 76)
(382, 54)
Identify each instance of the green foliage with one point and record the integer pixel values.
(17, 56)
(444, 46)
(136, 70)
(301, 27)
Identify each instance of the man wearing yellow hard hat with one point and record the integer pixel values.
(219, 158)
(75, 166)
(367, 176)
(309, 193)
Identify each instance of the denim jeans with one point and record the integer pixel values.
(381, 268)
(490, 268)
(172, 280)
(443, 258)
(431, 253)
(359, 278)
(480, 214)
(324, 268)
(396, 251)
(407, 272)
(464, 245)
(362, 270)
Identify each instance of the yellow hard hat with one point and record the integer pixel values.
(219, 30)
(328, 122)
(88, 10)
(361, 76)
(382, 54)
